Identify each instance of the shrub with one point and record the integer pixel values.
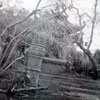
(74, 59)
(80, 62)
(97, 56)
(77, 62)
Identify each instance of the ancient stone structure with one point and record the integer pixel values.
(33, 60)
(36, 51)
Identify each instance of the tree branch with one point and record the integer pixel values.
(8, 66)
(12, 50)
(93, 24)
(19, 22)
(3, 70)
(9, 45)
(38, 4)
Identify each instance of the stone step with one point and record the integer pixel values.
(61, 72)
(60, 95)
(84, 86)
(71, 80)
(47, 81)
(67, 95)
(66, 75)
(80, 90)
(73, 88)
(80, 96)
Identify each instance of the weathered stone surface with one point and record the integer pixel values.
(70, 86)
(34, 63)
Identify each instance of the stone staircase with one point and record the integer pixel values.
(66, 85)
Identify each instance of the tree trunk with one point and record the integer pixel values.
(91, 58)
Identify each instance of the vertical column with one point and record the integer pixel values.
(34, 59)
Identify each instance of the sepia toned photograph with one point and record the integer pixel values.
(49, 49)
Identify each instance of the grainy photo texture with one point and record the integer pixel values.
(49, 50)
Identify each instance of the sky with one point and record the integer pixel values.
(87, 7)
(84, 5)
(31, 4)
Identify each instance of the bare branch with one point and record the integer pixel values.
(38, 4)
(86, 15)
(72, 7)
(80, 15)
(12, 50)
(71, 3)
(48, 6)
(93, 23)
(2, 71)
(6, 51)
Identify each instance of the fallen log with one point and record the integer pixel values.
(54, 60)
(49, 60)
(27, 89)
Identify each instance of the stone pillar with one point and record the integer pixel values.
(34, 58)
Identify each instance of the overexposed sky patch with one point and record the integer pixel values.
(84, 5)
(31, 4)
